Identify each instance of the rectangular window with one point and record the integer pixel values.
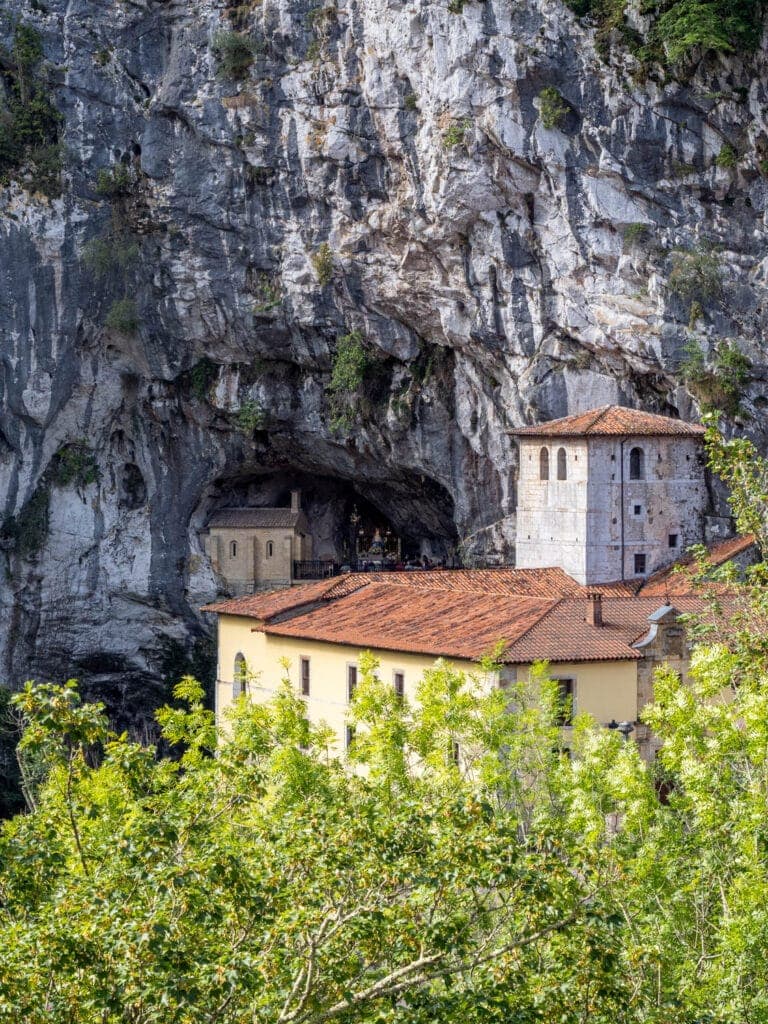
(455, 752)
(638, 510)
(351, 681)
(349, 736)
(639, 565)
(304, 677)
(567, 697)
(398, 682)
(673, 540)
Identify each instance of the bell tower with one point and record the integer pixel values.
(610, 494)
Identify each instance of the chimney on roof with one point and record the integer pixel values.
(594, 609)
(295, 501)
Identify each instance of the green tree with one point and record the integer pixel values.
(270, 883)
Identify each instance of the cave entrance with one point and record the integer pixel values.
(353, 526)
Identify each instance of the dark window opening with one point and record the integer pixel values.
(638, 510)
(639, 565)
(233, 549)
(562, 468)
(566, 690)
(673, 540)
(544, 464)
(305, 677)
(351, 681)
(349, 736)
(637, 464)
(241, 676)
(399, 684)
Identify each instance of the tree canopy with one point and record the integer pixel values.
(273, 882)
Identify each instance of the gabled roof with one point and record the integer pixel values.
(256, 518)
(439, 623)
(612, 421)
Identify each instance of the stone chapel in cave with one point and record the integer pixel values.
(251, 548)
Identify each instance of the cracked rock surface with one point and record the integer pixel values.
(499, 272)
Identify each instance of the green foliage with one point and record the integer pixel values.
(29, 529)
(269, 883)
(350, 365)
(122, 316)
(680, 29)
(725, 26)
(727, 158)
(234, 53)
(552, 108)
(456, 132)
(411, 101)
(740, 465)
(322, 261)
(456, 6)
(29, 125)
(696, 274)
(250, 416)
(74, 463)
(636, 235)
(201, 377)
(718, 383)
(110, 254)
(269, 295)
(114, 182)
(102, 57)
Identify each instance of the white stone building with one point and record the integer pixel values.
(610, 494)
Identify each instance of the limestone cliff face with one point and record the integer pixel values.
(382, 168)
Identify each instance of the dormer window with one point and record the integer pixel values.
(637, 464)
(562, 467)
(544, 464)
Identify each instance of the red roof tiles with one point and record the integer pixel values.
(439, 623)
(539, 613)
(610, 421)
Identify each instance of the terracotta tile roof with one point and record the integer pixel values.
(439, 623)
(257, 518)
(671, 582)
(265, 604)
(552, 582)
(565, 635)
(612, 420)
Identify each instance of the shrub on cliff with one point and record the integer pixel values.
(29, 126)
(234, 53)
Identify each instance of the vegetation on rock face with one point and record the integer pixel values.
(552, 108)
(122, 316)
(456, 132)
(250, 416)
(350, 364)
(28, 530)
(29, 123)
(696, 275)
(717, 383)
(234, 52)
(202, 376)
(76, 464)
(115, 181)
(681, 29)
(322, 261)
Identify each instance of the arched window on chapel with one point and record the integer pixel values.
(544, 464)
(562, 468)
(637, 464)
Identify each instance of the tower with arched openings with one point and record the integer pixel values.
(609, 494)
